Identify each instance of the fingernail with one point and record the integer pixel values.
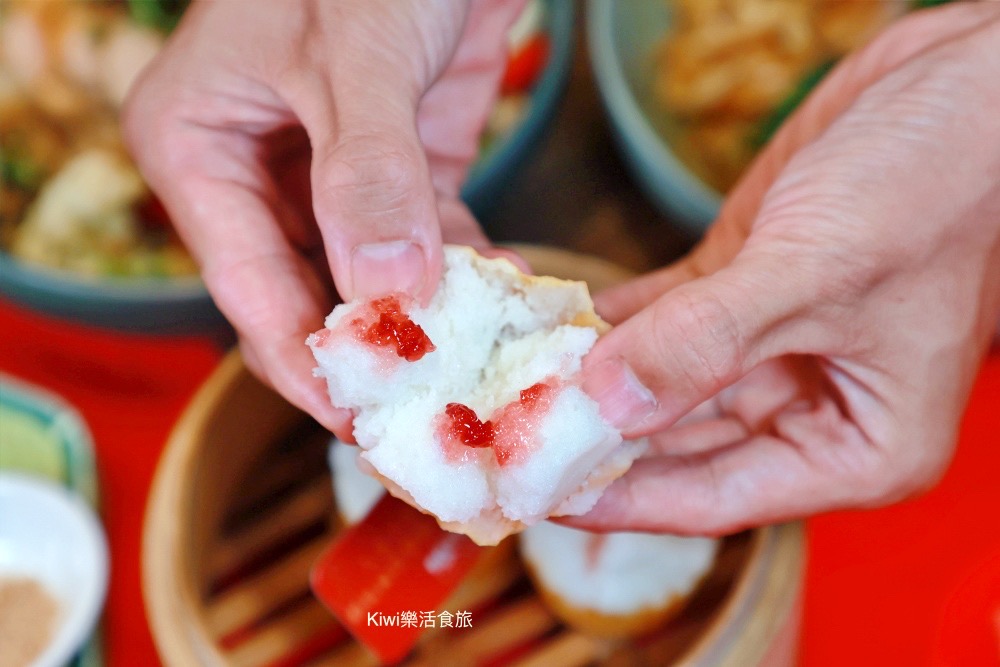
(625, 402)
(392, 266)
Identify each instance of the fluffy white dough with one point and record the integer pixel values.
(495, 333)
(616, 573)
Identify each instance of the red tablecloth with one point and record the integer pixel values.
(918, 583)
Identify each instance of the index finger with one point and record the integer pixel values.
(227, 210)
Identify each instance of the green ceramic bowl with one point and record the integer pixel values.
(495, 169)
(622, 35)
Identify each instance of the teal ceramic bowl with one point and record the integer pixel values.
(495, 169)
(152, 306)
(622, 36)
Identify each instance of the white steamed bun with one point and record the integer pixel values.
(614, 584)
(470, 408)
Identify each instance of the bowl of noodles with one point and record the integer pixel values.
(694, 88)
(81, 235)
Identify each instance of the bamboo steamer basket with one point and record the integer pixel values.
(241, 506)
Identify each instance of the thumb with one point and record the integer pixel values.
(375, 205)
(373, 196)
(694, 341)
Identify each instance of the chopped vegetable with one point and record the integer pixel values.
(525, 65)
(70, 198)
(21, 172)
(152, 214)
(771, 123)
(163, 15)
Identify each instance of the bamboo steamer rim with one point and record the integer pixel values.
(749, 619)
(172, 599)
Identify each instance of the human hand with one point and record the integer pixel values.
(297, 141)
(816, 350)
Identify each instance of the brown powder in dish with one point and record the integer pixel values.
(27, 618)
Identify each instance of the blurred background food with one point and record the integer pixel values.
(695, 88)
(728, 72)
(81, 235)
(72, 199)
(538, 67)
(529, 45)
(710, 80)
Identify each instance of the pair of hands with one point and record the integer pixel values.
(814, 351)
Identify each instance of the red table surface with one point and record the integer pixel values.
(916, 583)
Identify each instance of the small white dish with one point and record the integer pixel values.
(51, 535)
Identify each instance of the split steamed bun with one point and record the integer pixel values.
(470, 408)
(614, 584)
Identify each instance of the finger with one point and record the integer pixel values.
(288, 157)
(375, 115)
(620, 302)
(265, 288)
(748, 408)
(459, 226)
(723, 241)
(704, 411)
(828, 464)
(902, 41)
(699, 338)
(250, 358)
(469, 84)
(341, 424)
(270, 295)
(511, 256)
(373, 197)
(697, 437)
